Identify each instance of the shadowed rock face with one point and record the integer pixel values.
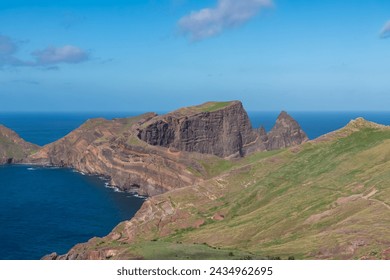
(13, 149)
(223, 132)
(285, 133)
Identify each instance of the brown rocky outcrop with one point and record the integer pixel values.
(285, 133)
(13, 149)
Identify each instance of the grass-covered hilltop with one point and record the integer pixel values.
(324, 199)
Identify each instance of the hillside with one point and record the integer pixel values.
(326, 199)
(13, 149)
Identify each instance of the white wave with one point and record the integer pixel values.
(76, 171)
(139, 196)
(31, 169)
(114, 188)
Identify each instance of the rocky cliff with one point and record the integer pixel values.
(222, 129)
(152, 154)
(13, 149)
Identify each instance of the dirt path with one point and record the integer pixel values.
(371, 194)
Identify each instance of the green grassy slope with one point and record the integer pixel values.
(327, 200)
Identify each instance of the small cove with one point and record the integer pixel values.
(44, 210)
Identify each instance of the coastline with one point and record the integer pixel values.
(154, 200)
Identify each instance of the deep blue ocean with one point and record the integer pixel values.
(44, 210)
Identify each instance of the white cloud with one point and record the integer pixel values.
(385, 32)
(56, 55)
(51, 56)
(209, 22)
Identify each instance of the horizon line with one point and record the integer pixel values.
(167, 111)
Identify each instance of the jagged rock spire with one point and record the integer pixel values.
(286, 132)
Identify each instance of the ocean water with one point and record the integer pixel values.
(44, 210)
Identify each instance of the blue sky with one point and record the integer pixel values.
(157, 55)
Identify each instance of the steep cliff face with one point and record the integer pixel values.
(221, 129)
(285, 133)
(13, 149)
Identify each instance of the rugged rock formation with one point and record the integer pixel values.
(285, 133)
(112, 149)
(221, 129)
(13, 149)
(171, 156)
(152, 154)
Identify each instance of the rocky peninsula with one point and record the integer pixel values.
(151, 154)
